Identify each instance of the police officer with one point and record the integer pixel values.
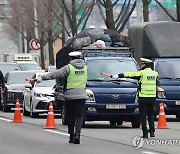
(75, 93)
(2, 85)
(146, 93)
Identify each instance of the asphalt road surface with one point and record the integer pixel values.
(97, 137)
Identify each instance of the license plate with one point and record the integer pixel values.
(177, 102)
(116, 106)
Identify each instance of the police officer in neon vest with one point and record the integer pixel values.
(146, 93)
(75, 93)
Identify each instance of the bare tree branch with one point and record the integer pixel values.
(115, 2)
(126, 19)
(165, 10)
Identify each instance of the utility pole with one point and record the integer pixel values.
(139, 11)
(20, 48)
(35, 19)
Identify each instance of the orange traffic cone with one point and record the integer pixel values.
(17, 113)
(162, 119)
(50, 123)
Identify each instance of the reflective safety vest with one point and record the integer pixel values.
(77, 77)
(147, 81)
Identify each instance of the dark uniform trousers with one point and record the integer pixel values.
(75, 115)
(146, 109)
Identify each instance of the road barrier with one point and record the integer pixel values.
(162, 118)
(50, 123)
(17, 113)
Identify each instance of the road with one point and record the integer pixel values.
(97, 137)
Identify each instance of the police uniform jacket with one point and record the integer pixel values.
(64, 72)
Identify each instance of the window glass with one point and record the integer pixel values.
(19, 78)
(168, 69)
(95, 67)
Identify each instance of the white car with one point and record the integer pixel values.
(37, 97)
(27, 65)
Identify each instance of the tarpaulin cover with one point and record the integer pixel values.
(155, 39)
(62, 57)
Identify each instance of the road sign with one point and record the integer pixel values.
(34, 44)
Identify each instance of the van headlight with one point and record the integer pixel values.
(90, 96)
(160, 92)
(136, 98)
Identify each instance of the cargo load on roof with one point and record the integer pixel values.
(91, 38)
(155, 39)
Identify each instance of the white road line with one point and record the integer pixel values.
(148, 152)
(5, 119)
(52, 131)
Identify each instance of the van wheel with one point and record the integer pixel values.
(64, 115)
(178, 116)
(119, 122)
(135, 123)
(112, 122)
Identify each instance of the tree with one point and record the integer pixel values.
(22, 19)
(119, 21)
(74, 9)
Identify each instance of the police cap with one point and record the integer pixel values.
(145, 60)
(75, 54)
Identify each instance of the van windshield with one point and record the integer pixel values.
(168, 69)
(95, 67)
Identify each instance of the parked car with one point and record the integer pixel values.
(37, 97)
(6, 67)
(14, 85)
(27, 65)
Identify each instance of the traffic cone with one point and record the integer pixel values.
(162, 119)
(17, 113)
(50, 123)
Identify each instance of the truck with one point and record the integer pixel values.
(16, 57)
(26, 61)
(107, 99)
(159, 41)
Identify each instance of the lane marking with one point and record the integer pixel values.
(52, 131)
(4, 119)
(148, 152)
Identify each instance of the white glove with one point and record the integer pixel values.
(115, 76)
(38, 79)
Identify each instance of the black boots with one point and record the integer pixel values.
(145, 134)
(77, 138)
(74, 138)
(71, 138)
(152, 134)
